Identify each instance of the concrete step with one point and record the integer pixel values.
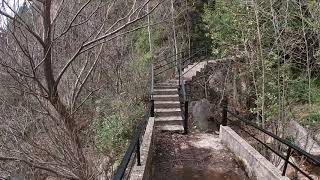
(167, 104)
(173, 81)
(166, 91)
(165, 86)
(169, 120)
(165, 112)
(171, 128)
(192, 70)
(173, 97)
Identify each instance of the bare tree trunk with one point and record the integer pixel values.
(174, 35)
(149, 29)
(262, 63)
(47, 51)
(307, 53)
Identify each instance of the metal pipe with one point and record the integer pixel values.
(224, 120)
(278, 154)
(193, 55)
(138, 153)
(152, 108)
(152, 81)
(309, 156)
(194, 49)
(286, 162)
(186, 116)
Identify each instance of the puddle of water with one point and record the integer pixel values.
(200, 174)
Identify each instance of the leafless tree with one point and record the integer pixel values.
(50, 50)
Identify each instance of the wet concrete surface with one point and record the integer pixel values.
(197, 156)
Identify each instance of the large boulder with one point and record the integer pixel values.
(201, 113)
(317, 137)
(303, 138)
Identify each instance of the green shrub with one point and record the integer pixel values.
(225, 25)
(299, 91)
(142, 42)
(313, 118)
(116, 126)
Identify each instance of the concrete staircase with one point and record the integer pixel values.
(166, 100)
(192, 69)
(167, 107)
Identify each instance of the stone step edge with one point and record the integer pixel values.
(166, 90)
(166, 95)
(170, 127)
(169, 118)
(167, 110)
(166, 102)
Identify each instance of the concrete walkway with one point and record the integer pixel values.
(197, 156)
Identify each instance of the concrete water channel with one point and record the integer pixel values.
(196, 156)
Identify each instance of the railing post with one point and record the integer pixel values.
(286, 162)
(152, 79)
(138, 153)
(152, 91)
(186, 115)
(224, 111)
(179, 71)
(152, 107)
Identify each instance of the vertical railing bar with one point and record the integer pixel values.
(286, 162)
(224, 111)
(138, 153)
(186, 116)
(152, 80)
(152, 91)
(152, 108)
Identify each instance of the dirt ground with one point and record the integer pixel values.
(196, 156)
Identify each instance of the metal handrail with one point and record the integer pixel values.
(158, 61)
(185, 102)
(135, 142)
(152, 81)
(192, 56)
(184, 97)
(291, 147)
(170, 62)
(134, 146)
(194, 66)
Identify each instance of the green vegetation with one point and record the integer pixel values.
(313, 118)
(224, 26)
(279, 41)
(116, 124)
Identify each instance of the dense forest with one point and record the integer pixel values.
(74, 75)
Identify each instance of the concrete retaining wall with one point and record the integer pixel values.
(143, 172)
(257, 166)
